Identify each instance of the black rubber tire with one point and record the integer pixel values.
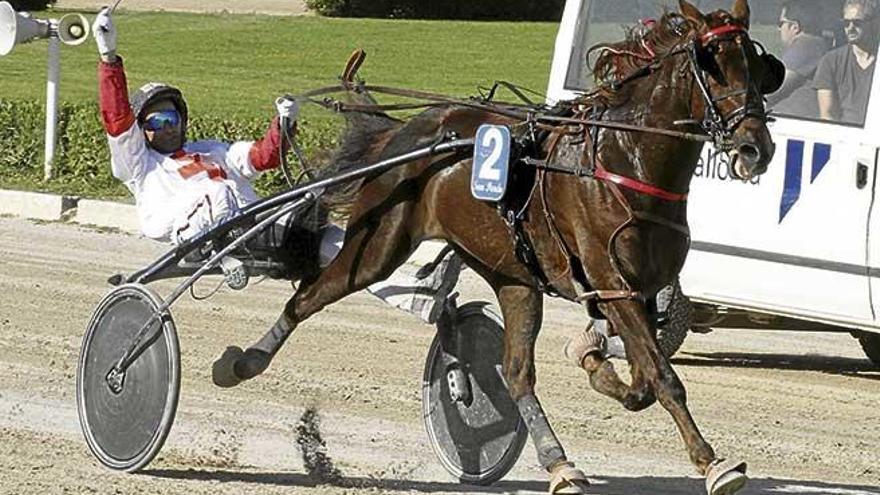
(125, 431)
(871, 345)
(676, 316)
(434, 390)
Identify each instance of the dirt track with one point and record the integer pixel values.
(803, 409)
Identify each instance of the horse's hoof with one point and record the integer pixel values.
(568, 480)
(235, 366)
(582, 344)
(252, 363)
(223, 370)
(725, 477)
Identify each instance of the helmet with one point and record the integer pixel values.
(155, 91)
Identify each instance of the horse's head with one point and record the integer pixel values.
(732, 79)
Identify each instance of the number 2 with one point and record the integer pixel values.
(489, 169)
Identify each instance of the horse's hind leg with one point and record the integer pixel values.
(522, 309)
(723, 477)
(375, 245)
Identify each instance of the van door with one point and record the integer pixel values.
(792, 241)
(873, 237)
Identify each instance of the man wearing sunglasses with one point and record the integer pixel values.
(843, 78)
(181, 188)
(800, 30)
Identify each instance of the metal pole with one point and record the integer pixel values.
(52, 99)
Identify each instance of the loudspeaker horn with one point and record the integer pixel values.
(73, 29)
(19, 28)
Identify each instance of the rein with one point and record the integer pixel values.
(527, 114)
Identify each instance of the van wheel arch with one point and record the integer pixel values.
(871, 345)
(677, 311)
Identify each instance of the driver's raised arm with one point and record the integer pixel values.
(251, 158)
(127, 144)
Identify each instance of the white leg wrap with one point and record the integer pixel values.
(403, 290)
(422, 297)
(275, 337)
(331, 243)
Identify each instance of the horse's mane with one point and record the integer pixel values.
(642, 47)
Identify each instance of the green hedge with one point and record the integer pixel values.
(515, 10)
(82, 160)
(30, 5)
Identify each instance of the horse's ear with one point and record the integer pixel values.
(690, 12)
(741, 12)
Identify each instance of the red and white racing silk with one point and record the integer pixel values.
(182, 194)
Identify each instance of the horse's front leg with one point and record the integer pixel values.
(634, 326)
(586, 350)
(522, 310)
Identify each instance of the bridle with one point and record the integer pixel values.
(717, 125)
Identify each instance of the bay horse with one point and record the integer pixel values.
(602, 212)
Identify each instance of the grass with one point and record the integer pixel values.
(238, 64)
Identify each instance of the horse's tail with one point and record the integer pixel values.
(366, 134)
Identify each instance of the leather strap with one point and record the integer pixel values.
(609, 295)
(721, 31)
(637, 185)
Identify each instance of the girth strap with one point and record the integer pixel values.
(608, 296)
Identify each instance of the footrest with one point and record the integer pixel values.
(234, 272)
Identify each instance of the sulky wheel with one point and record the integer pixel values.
(473, 425)
(126, 418)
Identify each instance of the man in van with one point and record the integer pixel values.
(800, 29)
(843, 78)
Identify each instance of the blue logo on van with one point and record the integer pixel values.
(794, 166)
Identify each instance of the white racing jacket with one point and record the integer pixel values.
(167, 188)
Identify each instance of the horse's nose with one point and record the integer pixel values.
(749, 153)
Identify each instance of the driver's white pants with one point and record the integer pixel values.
(403, 289)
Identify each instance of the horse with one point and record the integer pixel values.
(596, 214)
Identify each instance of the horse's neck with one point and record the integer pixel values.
(657, 101)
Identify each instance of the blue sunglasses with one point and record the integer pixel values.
(158, 120)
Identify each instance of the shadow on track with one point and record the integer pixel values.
(860, 368)
(600, 485)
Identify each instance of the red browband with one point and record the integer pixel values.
(637, 185)
(721, 31)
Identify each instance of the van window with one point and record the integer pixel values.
(809, 36)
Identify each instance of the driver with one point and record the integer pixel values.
(183, 189)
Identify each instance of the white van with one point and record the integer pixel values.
(797, 248)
